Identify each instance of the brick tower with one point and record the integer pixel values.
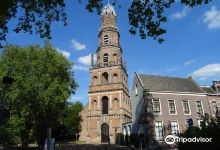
(109, 102)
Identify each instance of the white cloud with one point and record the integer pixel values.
(86, 60)
(181, 14)
(64, 52)
(207, 71)
(77, 45)
(212, 18)
(80, 67)
(189, 62)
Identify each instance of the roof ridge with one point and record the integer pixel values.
(164, 76)
(168, 83)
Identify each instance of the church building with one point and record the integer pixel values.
(109, 104)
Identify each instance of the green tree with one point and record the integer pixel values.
(72, 119)
(210, 128)
(69, 122)
(10, 133)
(43, 83)
(145, 16)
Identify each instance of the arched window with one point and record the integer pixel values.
(105, 77)
(115, 77)
(105, 105)
(94, 105)
(95, 80)
(106, 39)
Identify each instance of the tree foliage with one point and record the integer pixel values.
(145, 16)
(32, 16)
(43, 81)
(69, 122)
(72, 119)
(210, 128)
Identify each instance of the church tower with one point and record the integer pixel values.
(109, 102)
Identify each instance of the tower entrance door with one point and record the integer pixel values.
(105, 133)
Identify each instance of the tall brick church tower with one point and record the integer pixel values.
(109, 102)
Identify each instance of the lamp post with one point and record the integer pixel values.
(76, 136)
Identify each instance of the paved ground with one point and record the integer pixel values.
(93, 147)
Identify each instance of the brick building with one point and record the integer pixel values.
(109, 101)
(167, 105)
(213, 96)
(160, 105)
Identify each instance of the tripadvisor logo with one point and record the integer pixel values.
(171, 139)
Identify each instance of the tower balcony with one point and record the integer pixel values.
(108, 87)
(109, 64)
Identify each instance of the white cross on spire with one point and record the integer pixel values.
(108, 1)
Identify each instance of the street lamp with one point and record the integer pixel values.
(76, 137)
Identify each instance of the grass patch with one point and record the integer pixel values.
(79, 142)
(70, 142)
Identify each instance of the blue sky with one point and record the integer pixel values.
(191, 48)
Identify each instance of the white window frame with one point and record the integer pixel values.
(213, 100)
(156, 113)
(201, 106)
(188, 105)
(178, 129)
(162, 130)
(174, 106)
(199, 122)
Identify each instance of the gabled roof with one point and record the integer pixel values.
(174, 84)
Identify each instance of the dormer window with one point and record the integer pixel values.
(106, 39)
